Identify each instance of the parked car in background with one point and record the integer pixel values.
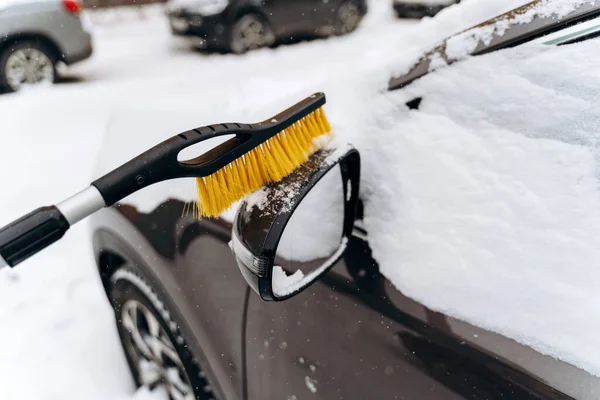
(187, 317)
(35, 36)
(242, 25)
(420, 8)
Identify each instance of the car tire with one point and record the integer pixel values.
(26, 62)
(349, 16)
(250, 32)
(155, 350)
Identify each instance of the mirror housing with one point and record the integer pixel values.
(258, 228)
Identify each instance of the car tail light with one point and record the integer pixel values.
(73, 6)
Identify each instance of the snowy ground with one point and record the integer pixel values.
(57, 338)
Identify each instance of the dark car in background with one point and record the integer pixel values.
(420, 8)
(242, 25)
(35, 36)
(187, 317)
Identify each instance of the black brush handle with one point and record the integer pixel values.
(28, 235)
(160, 163)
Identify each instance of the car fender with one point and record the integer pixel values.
(116, 242)
(33, 35)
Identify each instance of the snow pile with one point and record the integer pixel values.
(485, 204)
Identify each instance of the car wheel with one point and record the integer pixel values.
(250, 32)
(26, 63)
(348, 18)
(156, 352)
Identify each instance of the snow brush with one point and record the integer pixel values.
(257, 155)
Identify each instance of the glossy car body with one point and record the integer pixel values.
(420, 8)
(351, 335)
(210, 27)
(49, 22)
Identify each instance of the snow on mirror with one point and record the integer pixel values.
(286, 235)
(312, 238)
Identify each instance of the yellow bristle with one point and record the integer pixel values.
(324, 120)
(253, 170)
(270, 162)
(313, 123)
(241, 178)
(298, 149)
(260, 170)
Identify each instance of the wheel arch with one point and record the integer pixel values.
(113, 252)
(364, 7)
(9, 40)
(108, 263)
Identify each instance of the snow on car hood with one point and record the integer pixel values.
(485, 203)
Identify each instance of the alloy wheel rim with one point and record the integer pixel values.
(28, 67)
(252, 35)
(156, 359)
(349, 14)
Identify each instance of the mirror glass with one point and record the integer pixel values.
(312, 239)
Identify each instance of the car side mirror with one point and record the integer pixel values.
(288, 234)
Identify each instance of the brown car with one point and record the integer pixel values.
(189, 319)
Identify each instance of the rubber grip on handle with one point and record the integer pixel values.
(35, 231)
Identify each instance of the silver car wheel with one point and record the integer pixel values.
(349, 17)
(250, 33)
(28, 66)
(158, 361)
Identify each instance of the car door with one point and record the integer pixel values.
(293, 19)
(353, 336)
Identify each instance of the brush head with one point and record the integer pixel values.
(256, 155)
(269, 162)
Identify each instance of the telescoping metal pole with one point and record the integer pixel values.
(39, 229)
